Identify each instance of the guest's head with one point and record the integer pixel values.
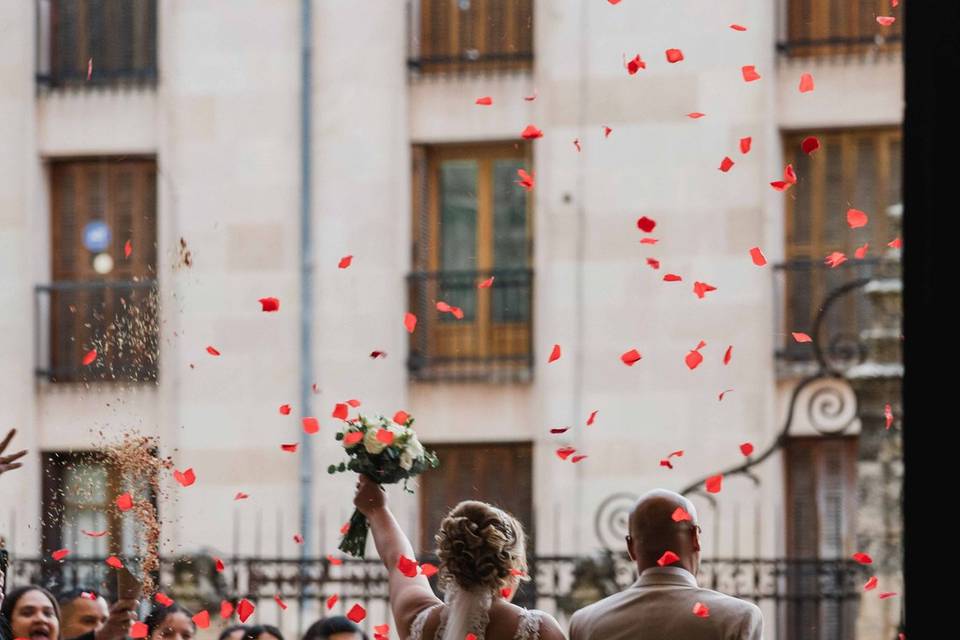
(233, 632)
(33, 613)
(81, 611)
(170, 623)
(334, 628)
(653, 531)
(481, 548)
(262, 632)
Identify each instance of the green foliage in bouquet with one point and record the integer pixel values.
(386, 452)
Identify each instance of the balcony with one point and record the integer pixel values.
(493, 340)
(119, 319)
(803, 287)
(96, 42)
(838, 27)
(468, 36)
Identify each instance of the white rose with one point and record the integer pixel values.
(414, 449)
(406, 460)
(370, 442)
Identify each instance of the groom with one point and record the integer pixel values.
(666, 601)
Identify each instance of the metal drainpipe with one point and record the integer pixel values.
(306, 292)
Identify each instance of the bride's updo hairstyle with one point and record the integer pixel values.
(479, 546)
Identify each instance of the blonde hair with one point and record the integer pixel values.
(480, 547)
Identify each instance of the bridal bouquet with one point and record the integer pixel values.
(386, 451)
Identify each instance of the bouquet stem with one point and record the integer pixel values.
(355, 539)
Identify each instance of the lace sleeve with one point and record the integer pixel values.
(416, 627)
(529, 627)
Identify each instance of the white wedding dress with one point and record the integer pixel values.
(466, 612)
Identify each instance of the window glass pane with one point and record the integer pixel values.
(511, 298)
(458, 234)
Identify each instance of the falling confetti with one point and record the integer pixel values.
(714, 484)
(284, 409)
(185, 478)
(410, 322)
(310, 424)
(674, 55)
(801, 337)
(856, 218)
(862, 558)
(554, 354)
(885, 21)
(269, 304)
(645, 224)
(668, 557)
(526, 180)
(757, 256)
(809, 145)
(726, 164)
(212, 351)
(806, 83)
(630, 357)
(635, 65)
(531, 133)
(701, 610)
(356, 613)
(607, 131)
(680, 515)
(745, 144)
(593, 417)
(750, 73)
(127, 249)
(746, 448)
(695, 115)
(345, 262)
(202, 619)
(89, 357)
(484, 101)
(245, 609)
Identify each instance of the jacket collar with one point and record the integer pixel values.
(674, 576)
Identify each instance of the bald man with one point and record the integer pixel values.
(666, 601)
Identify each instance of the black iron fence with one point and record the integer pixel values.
(117, 319)
(809, 599)
(487, 334)
(96, 42)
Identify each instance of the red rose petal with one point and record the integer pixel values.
(693, 359)
(578, 458)
(202, 619)
(862, 558)
(750, 73)
(334, 561)
(835, 259)
(565, 452)
(185, 478)
(789, 175)
(410, 322)
(871, 584)
(856, 218)
(554, 354)
(218, 563)
(290, 448)
(280, 602)
(486, 284)
(378, 354)
(672, 277)
(806, 83)
(60, 554)
(352, 438)
(345, 262)
(676, 454)
(630, 357)
(702, 288)
(861, 252)
(737, 27)
(356, 613)
(648, 241)
(353, 403)
(485, 101)
(722, 394)
(695, 115)
(728, 354)
(240, 496)
(646, 224)
(428, 569)
(714, 484)
(809, 144)
(888, 414)
(212, 351)
(885, 21)
(559, 430)
(726, 164)
(653, 263)
(340, 411)
(745, 144)
(746, 448)
(896, 243)
(666, 463)
(701, 610)
(635, 65)
(332, 600)
(127, 249)
(593, 416)
(310, 424)
(680, 514)
(887, 594)
(124, 502)
(531, 133)
(531, 97)
(576, 143)
(226, 609)
(801, 337)
(163, 599)
(94, 534)
(674, 55)
(89, 357)
(780, 185)
(385, 436)
(298, 538)
(269, 304)
(245, 609)
(139, 629)
(526, 180)
(285, 409)
(401, 417)
(757, 256)
(668, 557)
(407, 567)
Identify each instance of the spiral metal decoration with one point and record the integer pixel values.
(612, 520)
(832, 407)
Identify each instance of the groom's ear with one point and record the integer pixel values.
(630, 552)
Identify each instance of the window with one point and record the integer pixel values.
(485, 35)
(96, 41)
(823, 27)
(472, 225)
(857, 169)
(821, 536)
(498, 473)
(103, 294)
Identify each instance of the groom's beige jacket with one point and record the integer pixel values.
(660, 606)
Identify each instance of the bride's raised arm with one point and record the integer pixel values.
(408, 596)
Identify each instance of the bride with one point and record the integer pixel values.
(482, 559)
